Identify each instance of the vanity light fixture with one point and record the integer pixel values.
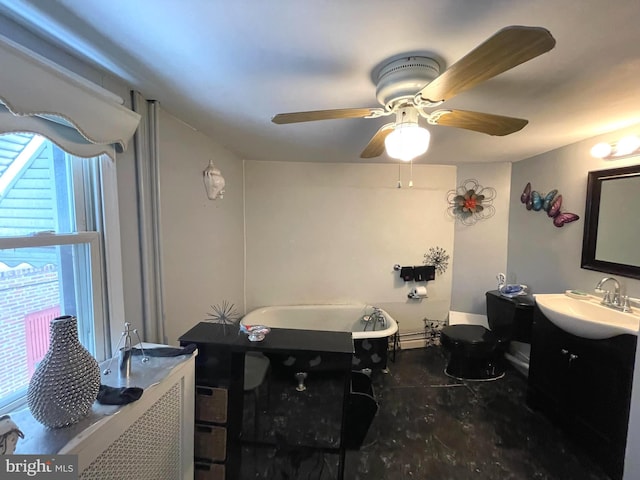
(625, 147)
(408, 139)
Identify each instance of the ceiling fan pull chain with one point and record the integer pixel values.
(401, 118)
(399, 182)
(411, 174)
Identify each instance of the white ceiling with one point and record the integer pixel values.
(226, 67)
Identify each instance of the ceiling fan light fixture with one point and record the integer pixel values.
(407, 141)
(408, 84)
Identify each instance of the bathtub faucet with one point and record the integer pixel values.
(376, 317)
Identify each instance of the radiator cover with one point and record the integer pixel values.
(149, 449)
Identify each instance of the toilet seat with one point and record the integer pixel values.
(473, 338)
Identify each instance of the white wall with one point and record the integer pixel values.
(548, 258)
(481, 249)
(541, 255)
(331, 233)
(202, 239)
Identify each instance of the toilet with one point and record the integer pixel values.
(477, 353)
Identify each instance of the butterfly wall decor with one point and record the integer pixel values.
(550, 203)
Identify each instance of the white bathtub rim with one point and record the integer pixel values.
(391, 329)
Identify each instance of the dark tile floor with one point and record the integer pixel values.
(429, 426)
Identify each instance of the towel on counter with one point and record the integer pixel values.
(165, 351)
(406, 273)
(118, 396)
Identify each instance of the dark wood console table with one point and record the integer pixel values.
(220, 379)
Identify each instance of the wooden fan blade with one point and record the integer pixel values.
(508, 48)
(375, 147)
(481, 122)
(297, 117)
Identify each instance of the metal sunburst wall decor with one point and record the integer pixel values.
(471, 202)
(224, 314)
(438, 257)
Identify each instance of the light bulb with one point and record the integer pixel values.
(407, 141)
(601, 150)
(627, 145)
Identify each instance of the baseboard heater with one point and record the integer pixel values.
(418, 335)
(421, 338)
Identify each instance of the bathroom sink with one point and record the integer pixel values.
(586, 318)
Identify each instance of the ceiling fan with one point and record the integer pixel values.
(408, 86)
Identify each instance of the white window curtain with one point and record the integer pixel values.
(32, 87)
(148, 183)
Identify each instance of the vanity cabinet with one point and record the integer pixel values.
(584, 386)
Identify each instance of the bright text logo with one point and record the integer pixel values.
(51, 467)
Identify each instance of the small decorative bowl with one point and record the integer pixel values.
(513, 290)
(255, 333)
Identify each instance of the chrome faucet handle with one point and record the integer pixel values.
(626, 307)
(616, 300)
(606, 299)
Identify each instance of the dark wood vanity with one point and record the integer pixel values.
(220, 393)
(584, 386)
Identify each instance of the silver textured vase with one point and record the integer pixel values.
(66, 382)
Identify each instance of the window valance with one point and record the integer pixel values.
(33, 88)
(67, 138)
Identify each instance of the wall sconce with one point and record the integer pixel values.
(625, 147)
(213, 182)
(408, 139)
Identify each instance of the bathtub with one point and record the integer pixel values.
(370, 341)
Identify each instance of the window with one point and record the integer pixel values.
(52, 253)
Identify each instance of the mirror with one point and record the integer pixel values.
(612, 222)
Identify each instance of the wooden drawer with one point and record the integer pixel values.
(209, 471)
(210, 442)
(211, 404)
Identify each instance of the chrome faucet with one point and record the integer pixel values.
(376, 317)
(606, 300)
(380, 317)
(617, 302)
